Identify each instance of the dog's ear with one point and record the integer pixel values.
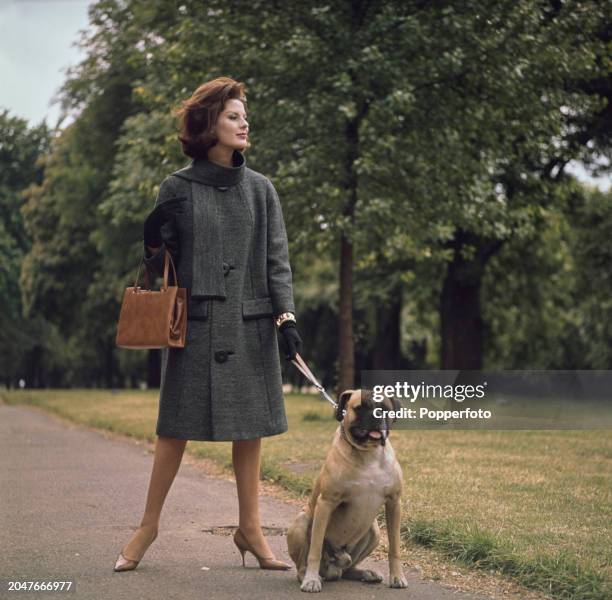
(397, 405)
(344, 398)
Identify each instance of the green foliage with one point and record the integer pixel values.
(554, 310)
(20, 150)
(395, 124)
(592, 314)
(559, 575)
(63, 277)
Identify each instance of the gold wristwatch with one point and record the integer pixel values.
(286, 316)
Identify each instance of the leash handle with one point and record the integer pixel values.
(298, 361)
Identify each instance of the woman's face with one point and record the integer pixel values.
(232, 127)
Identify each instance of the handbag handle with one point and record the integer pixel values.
(167, 260)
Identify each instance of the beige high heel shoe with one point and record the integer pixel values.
(129, 564)
(264, 562)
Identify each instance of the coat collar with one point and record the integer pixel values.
(210, 173)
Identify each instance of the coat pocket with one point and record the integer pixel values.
(257, 308)
(197, 309)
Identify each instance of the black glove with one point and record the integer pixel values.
(169, 234)
(160, 224)
(291, 339)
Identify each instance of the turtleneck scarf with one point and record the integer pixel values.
(211, 173)
(208, 279)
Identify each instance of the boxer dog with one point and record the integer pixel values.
(338, 528)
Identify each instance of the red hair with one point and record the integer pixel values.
(199, 113)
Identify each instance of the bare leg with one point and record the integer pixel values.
(167, 459)
(246, 456)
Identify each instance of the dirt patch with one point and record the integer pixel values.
(226, 530)
(299, 468)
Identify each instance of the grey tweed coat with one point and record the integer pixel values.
(225, 384)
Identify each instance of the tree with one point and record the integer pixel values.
(21, 147)
(63, 277)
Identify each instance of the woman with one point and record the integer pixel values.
(223, 225)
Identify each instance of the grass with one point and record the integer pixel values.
(533, 505)
(559, 574)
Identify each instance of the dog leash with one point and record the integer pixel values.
(298, 361)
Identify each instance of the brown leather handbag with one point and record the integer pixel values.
(151, 318)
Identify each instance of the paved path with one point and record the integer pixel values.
(70, 496)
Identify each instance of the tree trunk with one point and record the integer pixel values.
(386, 353)
(109, 364)
(461, 320)
(346, 343)
(460, 309)
(32, 371)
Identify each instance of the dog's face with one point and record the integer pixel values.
(360, 422)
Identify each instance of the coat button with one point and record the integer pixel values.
(227, 267)
(222, 355)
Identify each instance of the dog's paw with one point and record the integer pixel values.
(311, 583)
(331, 573)
(370, 576)
(397, 581)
